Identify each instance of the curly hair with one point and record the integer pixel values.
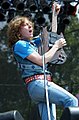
(13, 29)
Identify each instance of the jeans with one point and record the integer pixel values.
(56, 95)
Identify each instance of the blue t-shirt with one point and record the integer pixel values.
(22, 49)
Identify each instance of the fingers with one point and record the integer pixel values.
(60, 43)
(63, 42)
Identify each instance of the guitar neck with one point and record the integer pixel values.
(54, 18)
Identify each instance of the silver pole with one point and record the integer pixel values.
(46, 89)
(45, 82)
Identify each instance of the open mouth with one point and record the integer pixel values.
(30, 31)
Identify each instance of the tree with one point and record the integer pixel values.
(67, 74)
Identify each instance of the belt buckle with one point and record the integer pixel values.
(40, 77)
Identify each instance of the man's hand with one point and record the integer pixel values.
(58, 8)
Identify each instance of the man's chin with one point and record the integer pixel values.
(31, 38)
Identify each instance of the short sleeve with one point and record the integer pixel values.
(37, 41)
(23, 49)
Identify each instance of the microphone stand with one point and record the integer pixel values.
(46, 89)
(46, 84)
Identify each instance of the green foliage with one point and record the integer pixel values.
(66, 74)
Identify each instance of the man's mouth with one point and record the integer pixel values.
(30, 31)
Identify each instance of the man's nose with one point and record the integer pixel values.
(30, 26)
